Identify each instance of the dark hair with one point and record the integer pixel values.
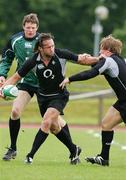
(32, 17)
(42, 37)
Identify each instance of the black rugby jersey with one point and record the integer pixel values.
(114, 70)
(52, 75)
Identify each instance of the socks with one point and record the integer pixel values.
(66, 128)
(39, 139)
(14, 127)
(107, 137)
(66, 140)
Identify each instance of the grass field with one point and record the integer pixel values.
(51, 162)
(77, 112)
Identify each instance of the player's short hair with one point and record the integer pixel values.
(32, 17)
(112, 44)
(42, 37)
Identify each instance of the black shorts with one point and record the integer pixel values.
(56, 101)
(26, 87)
(121, 107)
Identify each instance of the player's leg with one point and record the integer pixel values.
(63, 136)
(50, 115)
(111, 119)
(64, 126)
(14, 122)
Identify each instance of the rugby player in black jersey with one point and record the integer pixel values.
(49, 66)
(113, 67)
(20, 48)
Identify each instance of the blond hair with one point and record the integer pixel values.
(112, 44)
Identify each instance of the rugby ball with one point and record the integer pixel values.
(10, 92)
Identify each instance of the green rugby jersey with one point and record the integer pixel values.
(20, 49)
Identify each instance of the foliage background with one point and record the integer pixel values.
(69, 21)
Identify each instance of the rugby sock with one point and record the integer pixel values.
(107, 137)
(14, 127)
(64, 138)
(66, 128)
(39, 139)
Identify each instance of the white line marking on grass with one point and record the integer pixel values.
(98, 135)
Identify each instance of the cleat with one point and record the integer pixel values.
(74, 157)
(10, 154)
(28, 160)
(97, 160)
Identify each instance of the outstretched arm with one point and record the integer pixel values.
(12, 80)
(87, 59)
(84, 59)
(85, 75)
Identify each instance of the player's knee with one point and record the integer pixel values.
(61, 121)
(15, 113)
(105, 126)
(55, 129)
(46, 124)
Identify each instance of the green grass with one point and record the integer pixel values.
(51, 161)
(78, 112)
(94, 84)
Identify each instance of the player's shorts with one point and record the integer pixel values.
(55, 101)
(121, 107)
(26, 87)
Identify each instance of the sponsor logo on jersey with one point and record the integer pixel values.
(48, 74)
(28, 45)
(40, 66)
(53, 62)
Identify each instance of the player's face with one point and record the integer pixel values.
(30, 29)
(48, 48)
(105, 52)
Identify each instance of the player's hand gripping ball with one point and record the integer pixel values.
(10, 92)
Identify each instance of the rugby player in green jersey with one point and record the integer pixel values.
(20, 47)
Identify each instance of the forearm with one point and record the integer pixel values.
(85, 75)
(66, 54)
(8, 56)
(13, 79)
(86, 59)
(5, 67)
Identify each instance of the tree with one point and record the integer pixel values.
(121, 34)
(69, 21)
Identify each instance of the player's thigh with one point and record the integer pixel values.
(50, 119)
(111, 119)
(61, 121)
(51, 114)
(22, 100)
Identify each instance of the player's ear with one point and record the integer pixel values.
(39, 48)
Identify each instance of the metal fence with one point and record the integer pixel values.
(100, 95)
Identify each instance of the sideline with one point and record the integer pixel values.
(115, 143)
(73, 126)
